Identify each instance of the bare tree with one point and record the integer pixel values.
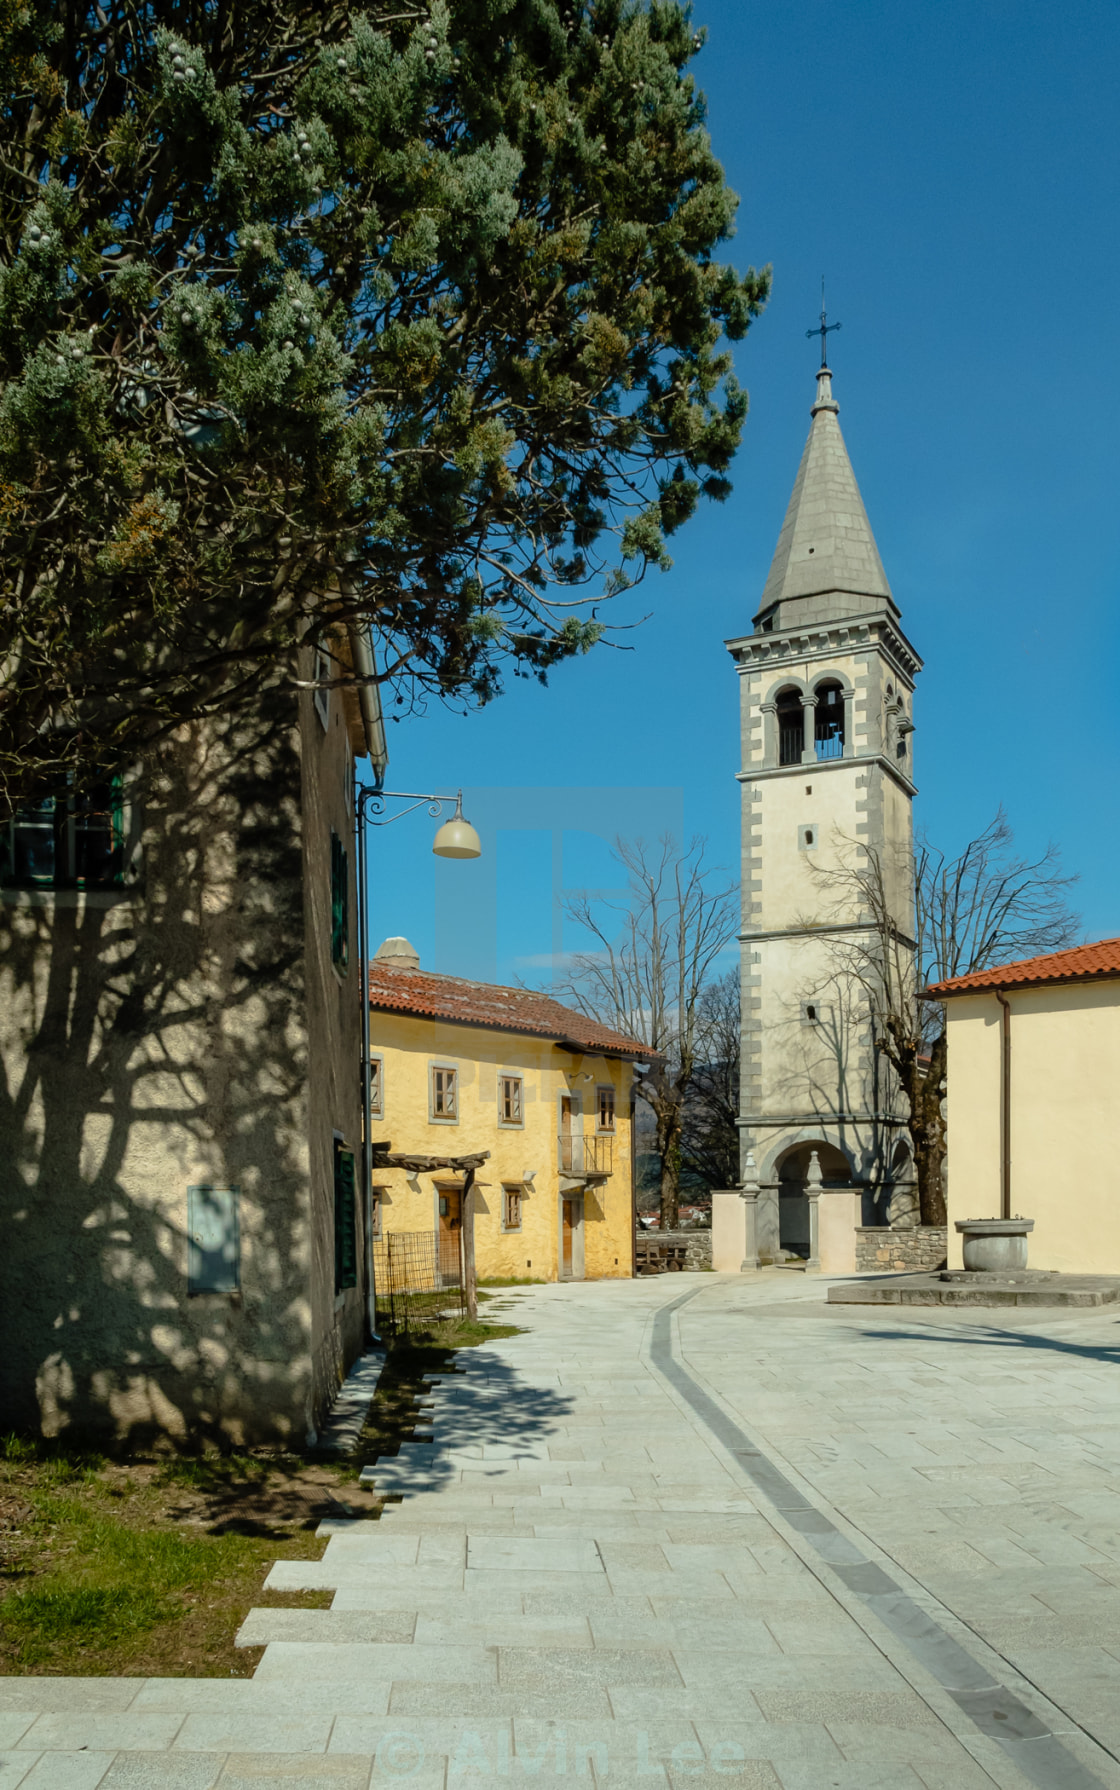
(652, 958)
(985, 906)
(710, 1137)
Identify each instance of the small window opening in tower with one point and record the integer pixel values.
(810, 1012)
(791, 732)
(829, 721)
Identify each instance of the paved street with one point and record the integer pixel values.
(696, 1530)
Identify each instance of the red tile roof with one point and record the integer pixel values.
(499, 1009)
(1084, 963)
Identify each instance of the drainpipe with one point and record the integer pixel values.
(1005, 1107)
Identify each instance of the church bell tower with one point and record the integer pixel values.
(826, 681)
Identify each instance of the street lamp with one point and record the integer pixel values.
(455, 839)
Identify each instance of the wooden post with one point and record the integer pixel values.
(470, 1281)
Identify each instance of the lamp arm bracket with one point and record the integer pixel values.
(371, 805)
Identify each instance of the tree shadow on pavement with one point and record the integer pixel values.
(991, 1336)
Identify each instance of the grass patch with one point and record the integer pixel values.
(148, 1568)
(513, 1280)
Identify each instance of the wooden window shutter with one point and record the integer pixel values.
(345, 1221)
(340, 904)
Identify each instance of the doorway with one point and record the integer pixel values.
(449, 1204)
(571, 1236)
(793, 1199)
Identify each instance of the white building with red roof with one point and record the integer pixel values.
(1034, 1068)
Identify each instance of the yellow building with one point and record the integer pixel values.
(1032, 1106)
(463, 1067)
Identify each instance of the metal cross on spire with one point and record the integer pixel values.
(823, 328)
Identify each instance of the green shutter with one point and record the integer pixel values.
(340, 904)
(345, 1221)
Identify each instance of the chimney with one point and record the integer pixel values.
(397, 954)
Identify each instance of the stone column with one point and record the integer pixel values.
(769, 733)
(849, 724)
(808, 730)
(749, 1197)
(813, 1183)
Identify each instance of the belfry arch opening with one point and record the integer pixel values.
(791, 726)
(828, 721)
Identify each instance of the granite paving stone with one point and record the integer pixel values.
(615, 1586)
(163, 1771)
(66, 1771)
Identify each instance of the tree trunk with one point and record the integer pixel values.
(927, 1137)
(669, 1150)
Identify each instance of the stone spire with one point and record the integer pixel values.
(826, 565)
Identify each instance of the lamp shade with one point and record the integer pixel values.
(457, 838)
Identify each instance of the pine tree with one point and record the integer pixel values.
(407, 318)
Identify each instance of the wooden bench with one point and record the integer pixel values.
(657, 1255)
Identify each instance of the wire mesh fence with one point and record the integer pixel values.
(419, 1276)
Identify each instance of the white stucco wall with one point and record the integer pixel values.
(1065, 1120)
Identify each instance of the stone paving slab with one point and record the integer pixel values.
(666, 1573)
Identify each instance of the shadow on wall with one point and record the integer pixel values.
(148, 1044)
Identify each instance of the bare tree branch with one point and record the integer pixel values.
(985, 906)
(655, 955)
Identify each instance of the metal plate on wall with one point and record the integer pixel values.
(213, 1239)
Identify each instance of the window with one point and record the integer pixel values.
(213, 1240)
(376, 1085)
(828, 721)
(67, 841)
(791, 727)
(509, 1100)
(340, 905)
(807, 838)
(812, 1013)
(511, 1208)
(345, 1221)
(321, 669)
(378, 1195)
(606, 1109)
(445, 1090)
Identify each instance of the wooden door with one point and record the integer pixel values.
(566, 1105)
(567, 1228)
(450, 1234)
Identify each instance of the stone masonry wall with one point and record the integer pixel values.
(883, 1251)
(699, 1245)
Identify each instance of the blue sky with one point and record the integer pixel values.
(952, 170)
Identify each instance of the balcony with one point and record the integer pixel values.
(585, 1156)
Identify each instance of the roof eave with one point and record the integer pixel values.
(624, 1050)
(945, 992)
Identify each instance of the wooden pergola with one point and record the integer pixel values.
(383, 1155)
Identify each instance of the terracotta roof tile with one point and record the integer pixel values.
(500, 1009)
(1083, 963)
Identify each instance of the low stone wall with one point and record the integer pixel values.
(698, 1244)
(920, 1250)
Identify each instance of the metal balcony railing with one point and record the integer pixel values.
(585, 1155)
(791, 736)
